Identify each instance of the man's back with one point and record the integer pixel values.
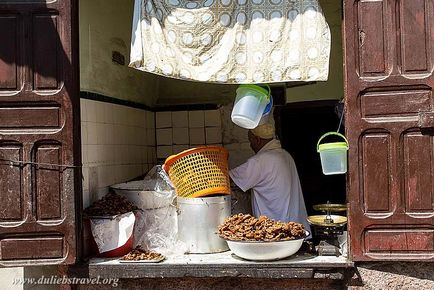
(273, 177)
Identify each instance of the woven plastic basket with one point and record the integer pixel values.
(199, 171)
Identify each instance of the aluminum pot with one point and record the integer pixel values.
(198, 220)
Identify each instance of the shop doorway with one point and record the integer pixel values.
(299, 127)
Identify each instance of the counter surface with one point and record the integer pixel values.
(225, 264)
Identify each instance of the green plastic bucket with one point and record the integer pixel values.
(249, 105)
(333, 155)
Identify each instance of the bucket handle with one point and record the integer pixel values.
(328, 134)
(269, 91)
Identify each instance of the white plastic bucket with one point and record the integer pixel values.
(249, 105)
(333, 155)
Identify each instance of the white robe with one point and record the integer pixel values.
(273, 177)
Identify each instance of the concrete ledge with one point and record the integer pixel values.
(223, 265)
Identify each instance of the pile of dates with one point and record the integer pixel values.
(110, 205)
(244, 227)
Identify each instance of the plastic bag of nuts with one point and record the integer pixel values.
(110, 205)
(110, 224)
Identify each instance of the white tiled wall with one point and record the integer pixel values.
(181, 130)
(234, 139)
(187, 129)
(118, 144)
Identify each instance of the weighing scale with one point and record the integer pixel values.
(327, 228)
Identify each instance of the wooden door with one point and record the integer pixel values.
(389, 49)
(39, 130)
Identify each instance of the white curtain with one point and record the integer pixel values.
(231, 41)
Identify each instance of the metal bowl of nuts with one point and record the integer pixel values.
(262, 239)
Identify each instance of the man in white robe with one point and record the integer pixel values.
(272, 175)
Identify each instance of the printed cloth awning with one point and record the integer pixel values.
(231, 41)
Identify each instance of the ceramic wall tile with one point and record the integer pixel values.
(100, 133)
(92, 133)
(118, 142)
(93, 155)
(212, 118)
(108, 113)
(213, 135)
(197, 136)
(127, 116)
(196, 119)
(131, 135)
(117, 114)
(84, 138)
(150, 137)
(143, 154)
(83, 110)
(150, 120)
(109, 134)
(100, 112)
(91, 111)
(181, 136)
(151, 155)
(164, 136)
(180, 119)
(163, 120)
(84, 154)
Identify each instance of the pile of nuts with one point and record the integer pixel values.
(110, 205)
(244, 227)
(139, 254)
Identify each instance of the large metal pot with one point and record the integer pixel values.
(198, 219)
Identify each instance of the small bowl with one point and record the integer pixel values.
(265, 251)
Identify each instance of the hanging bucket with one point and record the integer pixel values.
(249, 105)
(333, 155)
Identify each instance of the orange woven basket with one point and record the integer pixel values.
(199, 171)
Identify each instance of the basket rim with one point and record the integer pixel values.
(224, 190)
(173, 158)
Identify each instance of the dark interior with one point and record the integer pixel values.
(299, 127)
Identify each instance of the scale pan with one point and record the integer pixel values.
(318, 220)
(333, 207)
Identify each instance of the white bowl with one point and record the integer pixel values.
(265, 251)
(135, 192)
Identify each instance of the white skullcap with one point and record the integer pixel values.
(264, 131)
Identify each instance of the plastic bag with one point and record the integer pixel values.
(158, 180)
(157, 228)
(112, 233)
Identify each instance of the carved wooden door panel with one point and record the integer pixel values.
(389, 49)
(39, 107)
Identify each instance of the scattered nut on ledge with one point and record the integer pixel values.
(139, 254)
